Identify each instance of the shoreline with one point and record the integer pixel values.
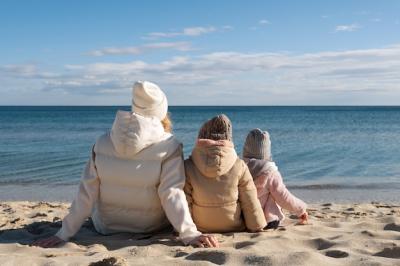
(337, 234)
(315, 195)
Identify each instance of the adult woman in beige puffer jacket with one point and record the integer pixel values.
(219, 187)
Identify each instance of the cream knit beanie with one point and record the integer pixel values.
(257, 145)
(149, 100)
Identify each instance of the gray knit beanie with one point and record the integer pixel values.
(257, 145)
(217, 128)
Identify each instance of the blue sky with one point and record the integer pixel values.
(201, 52)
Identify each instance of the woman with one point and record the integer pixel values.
(134, 179)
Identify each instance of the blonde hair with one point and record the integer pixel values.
(167, 123)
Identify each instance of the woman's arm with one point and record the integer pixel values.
(81, 207)
(173, 199)
(252, 211)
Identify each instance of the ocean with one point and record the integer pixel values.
(324, 153)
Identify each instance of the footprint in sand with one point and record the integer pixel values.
(112, 261)
(255, 235)
(392, 227)
(338, 254)
(257, 260)
(216, 257)
(244, 244)
(368, 233)
(321, 244)
(38, 214)
(393, 253)
(181, 254)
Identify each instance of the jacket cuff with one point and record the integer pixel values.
(302, 210)
(61, 234)
(188, 237)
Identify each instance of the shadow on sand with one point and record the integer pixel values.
(87, 236)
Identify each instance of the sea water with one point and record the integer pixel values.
(323, 153)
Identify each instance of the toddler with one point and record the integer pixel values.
(271, 191)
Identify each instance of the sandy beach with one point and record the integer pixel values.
(337, 234)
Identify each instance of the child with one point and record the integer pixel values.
(271, 191)
(219, 187)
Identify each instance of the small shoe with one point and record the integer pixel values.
(272, 225)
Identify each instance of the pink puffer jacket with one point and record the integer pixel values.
(271, 191)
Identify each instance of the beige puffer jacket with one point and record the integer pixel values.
(220, 190)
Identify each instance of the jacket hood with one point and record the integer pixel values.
(260, 167)
(214, 158)
(132, 133)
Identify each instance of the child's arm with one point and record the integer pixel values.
(283, 197)
(252, 211)
(81, 207)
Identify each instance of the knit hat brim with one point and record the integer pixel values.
(149, 100)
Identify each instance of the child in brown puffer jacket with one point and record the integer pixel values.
(219, 188)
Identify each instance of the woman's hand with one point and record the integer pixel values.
(205, 241)
(303, 218)
(48, 242)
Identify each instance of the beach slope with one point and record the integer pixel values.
(337, 234)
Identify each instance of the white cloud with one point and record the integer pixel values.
(331, 77)
(190, 31)
(150, 47)
(349, 28)
(196, 31)
(264, 22)
(227, 28)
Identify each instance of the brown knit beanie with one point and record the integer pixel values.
(257, 145)
(217, 128)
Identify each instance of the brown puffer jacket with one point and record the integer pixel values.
(220, 190)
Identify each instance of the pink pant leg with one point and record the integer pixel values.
(272, 210)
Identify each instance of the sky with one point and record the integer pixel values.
(200, 52)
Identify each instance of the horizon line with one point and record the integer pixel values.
(278, 105)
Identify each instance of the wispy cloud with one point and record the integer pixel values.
(268, 78)
(349, 28)
(26, 71)
(376, 20)
(135, 50)
(264, 22)
(190, 31)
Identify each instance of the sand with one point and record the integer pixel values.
(337, 234)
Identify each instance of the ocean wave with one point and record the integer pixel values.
(333, 186)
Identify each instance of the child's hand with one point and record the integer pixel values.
(48, 242)
(303, 218)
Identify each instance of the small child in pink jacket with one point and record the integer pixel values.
(271, 191)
